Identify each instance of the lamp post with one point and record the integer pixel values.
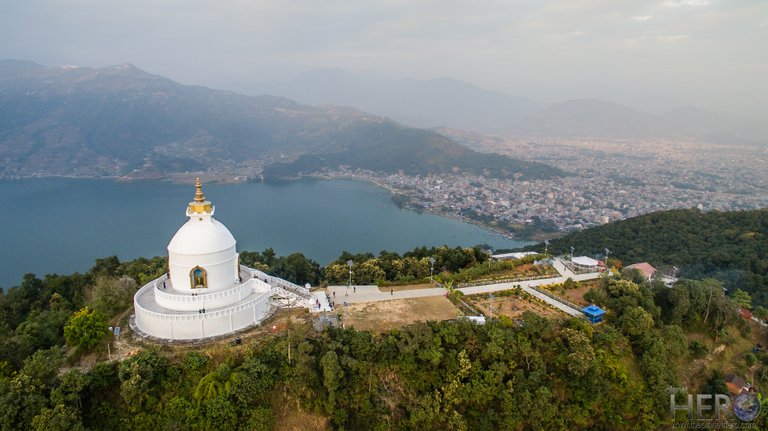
(350, 263)
(546, 244)
(572, 253)
(607, 252)
(431, 269)
(490, 308)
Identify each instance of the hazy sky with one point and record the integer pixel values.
(652, 54)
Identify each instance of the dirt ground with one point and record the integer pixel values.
(577, 295)
(722, 357)
(386, 315)
(290, 416)
(514, 307)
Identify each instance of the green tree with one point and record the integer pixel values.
(742, 299)
(218, 414)
(60, 418)
(760, 312)
(141, 378)
(678, 304)
(336, 273)
(86, 328)
(260, 419)
(218, 383)
(369, 272)
(332, 377)
(581, 357)
(111, 295)
(636, 322)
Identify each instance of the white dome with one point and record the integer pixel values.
(198, 237)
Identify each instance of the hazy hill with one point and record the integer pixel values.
(417, 103)
(455, 104)
(717, 128)
(594, 118)
(119, 120)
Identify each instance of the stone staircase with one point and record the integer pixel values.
(285, 293)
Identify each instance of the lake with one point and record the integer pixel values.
(60, 225)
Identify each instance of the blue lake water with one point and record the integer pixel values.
(60, 225)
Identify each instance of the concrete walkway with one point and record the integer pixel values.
(362, 294)
(555, 303)
(526, 286)
(358, 294)
(319, 302)
(562, 269)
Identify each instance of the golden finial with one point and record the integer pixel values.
(199, 198)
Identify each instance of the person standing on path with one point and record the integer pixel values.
(392, 292)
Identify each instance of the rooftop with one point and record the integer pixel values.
(593, 310)
(643, 267)
(584, 261)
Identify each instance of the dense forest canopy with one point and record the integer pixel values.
(728, 246)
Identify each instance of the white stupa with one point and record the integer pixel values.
(206, 292)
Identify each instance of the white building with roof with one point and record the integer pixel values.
(206, 292)
(515, 255)
(584, 262)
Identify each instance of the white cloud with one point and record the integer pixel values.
(641, 18)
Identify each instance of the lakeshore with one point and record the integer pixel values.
(60, 225)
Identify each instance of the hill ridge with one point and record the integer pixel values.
(122, 121)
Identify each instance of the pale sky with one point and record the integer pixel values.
(650, 54)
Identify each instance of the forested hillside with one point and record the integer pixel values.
(531, 373)
(729, 246)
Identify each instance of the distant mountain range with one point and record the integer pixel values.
(119, 120)
(594, 118)
(459, 105)
(418, 103)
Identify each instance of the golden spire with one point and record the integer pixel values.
(199, 198)
(199, 205)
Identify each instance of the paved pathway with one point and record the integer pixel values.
(555, 303)
(319, 302)
(562, 269)
(526, 286)
(360, 294)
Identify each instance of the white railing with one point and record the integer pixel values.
(243, 290)
(277, 281)
(556, 298)
(262, 298)
(503, 280)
